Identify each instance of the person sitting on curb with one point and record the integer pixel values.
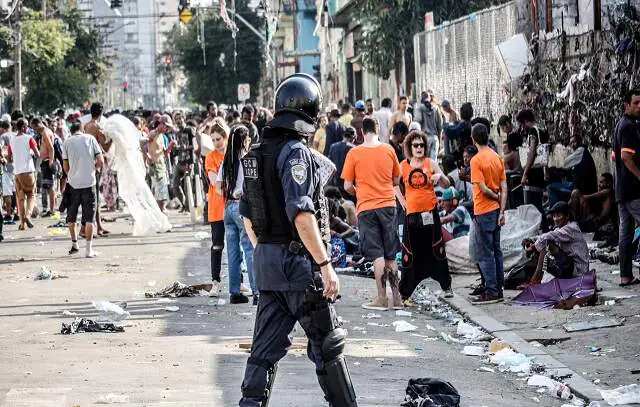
(456, 219)
(564, 249)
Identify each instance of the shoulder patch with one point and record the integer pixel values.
(299, 171)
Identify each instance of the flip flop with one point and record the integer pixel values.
(632, 282)
(104, 233)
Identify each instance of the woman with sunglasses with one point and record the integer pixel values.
(230, 180)
(423, 252)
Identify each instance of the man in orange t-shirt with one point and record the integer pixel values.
(215, 214)
(489, 201)
(374, 169)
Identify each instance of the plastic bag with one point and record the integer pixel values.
(110, 311)
(463, 253)
(511, 361)
(428, 392)
(622, 395)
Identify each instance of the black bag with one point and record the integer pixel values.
(520, 273)
(428, 392)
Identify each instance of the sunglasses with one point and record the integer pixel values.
(418, 145)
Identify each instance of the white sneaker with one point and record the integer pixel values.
(245, 290)
(215, 289)
(91, 254)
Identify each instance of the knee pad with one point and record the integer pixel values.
(333, 344)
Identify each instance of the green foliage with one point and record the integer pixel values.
(46, 40)
(216, 80)
(56, 86)
(388, 26)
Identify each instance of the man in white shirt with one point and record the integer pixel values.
(82, 156)
(383, 116)
(22, 149)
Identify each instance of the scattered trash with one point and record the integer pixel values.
(556, 389)
(470, 332)
(497, 345)
(202, 235)
(486, 369)
(110, 312)
(599, 323)
(46, 274)
(596, 381)
(61, 224)
(622, 395)
(221, 302)
(57, 232)
(403, 326)
(178, 289)
(429, 327)
(428, 392)
(113, 399)
(473, 350)
(358, 328)
(449, 339)
(403, 313)
(595, 314)
(40, 244)
(172, 309)
(68, 313)
(80, 325)
(508, 360)
(371, 315)
(610, 302)
(419, 348)
(594, 348)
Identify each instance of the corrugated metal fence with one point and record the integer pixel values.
(457, 60)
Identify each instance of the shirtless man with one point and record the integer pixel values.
(401, 114)
(594, 211)
(93, 128)
(47, 166)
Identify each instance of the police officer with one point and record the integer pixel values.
(285, 216)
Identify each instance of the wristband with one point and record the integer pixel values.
(324, 263)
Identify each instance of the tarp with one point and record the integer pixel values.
(558, 291)
(520, 223)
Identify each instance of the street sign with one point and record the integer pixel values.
(244, 93)
(5, 63)
(186, 16)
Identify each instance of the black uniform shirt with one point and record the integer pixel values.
(275, 267)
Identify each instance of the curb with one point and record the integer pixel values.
(579, 385)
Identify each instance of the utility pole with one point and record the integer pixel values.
(17, 82)
(44, 9)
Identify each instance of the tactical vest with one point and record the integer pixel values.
(263, 191)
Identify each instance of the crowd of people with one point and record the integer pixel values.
(405, 183)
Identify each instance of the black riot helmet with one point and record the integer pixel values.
(299, 94)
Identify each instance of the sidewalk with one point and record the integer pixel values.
(607, 368)
(192, 357)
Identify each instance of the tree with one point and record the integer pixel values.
(61, 60)
(217, 79)
(388, 27)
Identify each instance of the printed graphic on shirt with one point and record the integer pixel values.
(418, 179)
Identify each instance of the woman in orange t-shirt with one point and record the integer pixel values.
(219, 132)
(423, 253)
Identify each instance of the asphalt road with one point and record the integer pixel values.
(192, 357)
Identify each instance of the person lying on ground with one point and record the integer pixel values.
(564, 249)
(597, 212)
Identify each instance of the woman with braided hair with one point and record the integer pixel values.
(423, 252)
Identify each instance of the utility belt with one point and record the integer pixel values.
(292, 246)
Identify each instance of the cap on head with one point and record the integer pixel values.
(360, 105)
(446, 103)
(560, 207)
(448, 194)
(299, 94)
(166, 119)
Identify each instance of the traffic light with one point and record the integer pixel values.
(116, 3)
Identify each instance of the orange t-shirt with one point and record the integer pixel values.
(216, 201)
(419, 193)
(372, 169)
(487, 167)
